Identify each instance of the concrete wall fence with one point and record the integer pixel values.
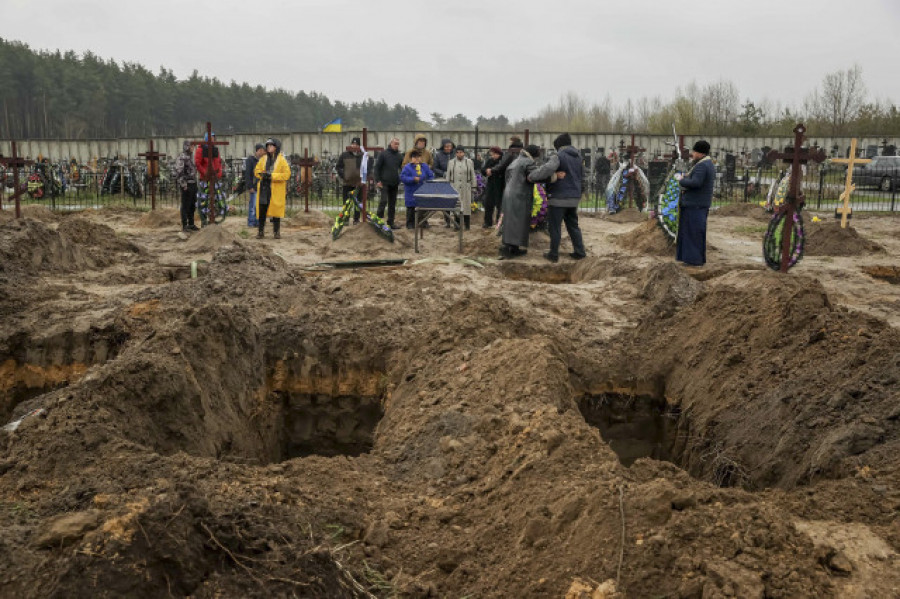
(323, 144)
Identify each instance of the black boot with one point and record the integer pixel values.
(467, 219)
(276, 226)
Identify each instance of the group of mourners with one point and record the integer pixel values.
(508, 196)
(266, 175)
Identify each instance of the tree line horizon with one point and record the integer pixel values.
(60, 95)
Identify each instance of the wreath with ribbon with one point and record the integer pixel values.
(778, 193)
(667, 212)
(539, 206)
(774, 235)
(617, 189)
(343, 217)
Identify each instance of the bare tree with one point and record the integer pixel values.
(839, 100)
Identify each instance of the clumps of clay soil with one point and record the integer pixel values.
(481, 242)
(647, 238)
(29, 245)
(745, 209)
(829, 239)
(100, 242)
(32, 211)
(758, 356)
(891, 274)
(363, 241)
(629, 215)
(160, 218)
(314, 219)
(210, 238)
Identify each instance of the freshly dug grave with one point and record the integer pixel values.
(647, 238)
(160, 218)
(363, 241)
(266, 432)
(829, 239)
(210, 238)
(629, 215)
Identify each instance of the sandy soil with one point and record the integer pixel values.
(211, 415)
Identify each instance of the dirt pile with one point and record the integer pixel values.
(210, 238)
(363, 241)
(160, 218)
(891, 274)
(647, 238)
(629, 215)
(314, 219)
(100, 242)
(746, 209)
(32, 211)
(768, 345)
(829, 239)
(29, 245)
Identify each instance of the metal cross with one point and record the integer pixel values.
(794, 200)
(15, 162)
(211, 176)
(152, 157)
(849, 187)
(633, 151)
(306, 165)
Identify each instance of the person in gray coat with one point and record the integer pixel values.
(564, 171)
(517, 201)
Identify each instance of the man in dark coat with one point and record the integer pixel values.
(349, 169)
(493, 192)
(696, 199)
(250, 182)
(518, 197)
(387, 179)
(565, 171)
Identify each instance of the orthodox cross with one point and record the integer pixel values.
(152, 157)
(849, 187)
(794, 200)
(306, 165)
(15, 162)
(211, 176)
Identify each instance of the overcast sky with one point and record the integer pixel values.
(484, 58)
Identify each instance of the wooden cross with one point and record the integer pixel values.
(849, 187)
(211, 176)
(15, 162)
(306, 165)
(152, 157)
(794, 200)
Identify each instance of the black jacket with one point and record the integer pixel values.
(249, 167)
(349, 174)
(387, 167)
(495, 183)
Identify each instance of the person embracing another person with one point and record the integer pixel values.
(564, 171)
(518, 197)
(272, 172)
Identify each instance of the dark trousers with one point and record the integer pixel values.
(389, 199)
(691, 243)
(410, 216)
(557, 216)
(261, 217)
(346, 190)
(188, 204)
(492, 202)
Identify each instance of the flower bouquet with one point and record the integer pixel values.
(774, 235)
(667, 212)
(350, 205)
(539, 206)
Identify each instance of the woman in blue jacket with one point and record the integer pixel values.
(413, 175)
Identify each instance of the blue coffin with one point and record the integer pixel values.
(437, 194)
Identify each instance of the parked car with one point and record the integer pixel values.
(883, 172)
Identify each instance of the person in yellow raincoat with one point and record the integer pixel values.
(273, 173)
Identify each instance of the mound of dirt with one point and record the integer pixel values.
(32, 211)
(647, 238)
(160, 218)
(27, 245)
(363, 240)
(314, 219)
(829, 239)
(101, 243)
(210, 238)
(742, 209)
(891, 274)
(629, 215)
(481, 242)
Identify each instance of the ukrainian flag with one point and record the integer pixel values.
(332, 127)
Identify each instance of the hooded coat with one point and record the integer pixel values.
(426, 153)
(442, 159)
(518, 198)
(281, 172)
